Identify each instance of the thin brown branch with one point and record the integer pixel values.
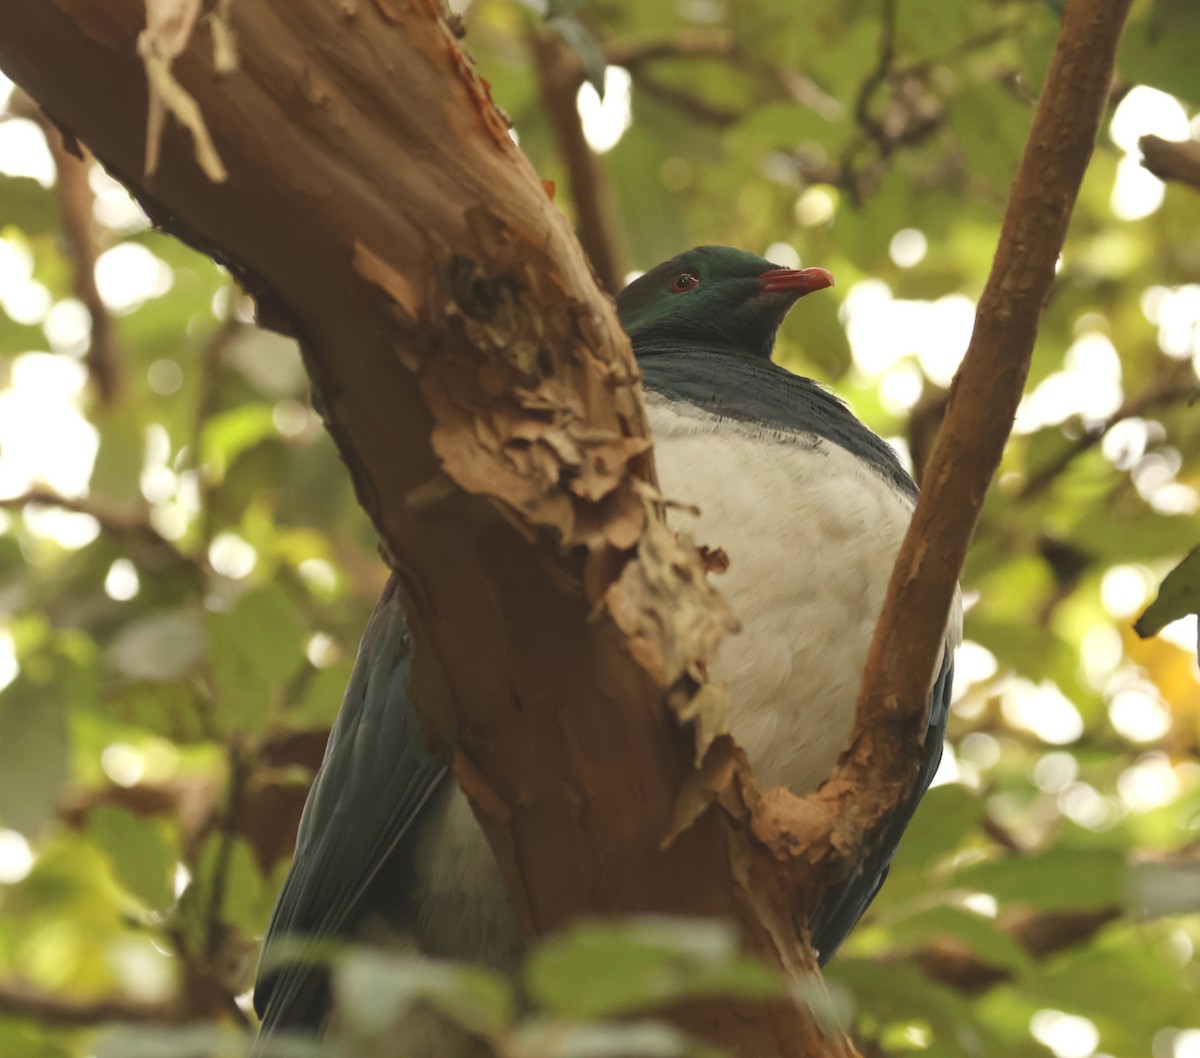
(878, 76)
(955, 965)
(689, 103)
(75, 200)
(775, 83)
(1177, 384)
(19, 1000)
(637, 54)
(911, 115)
(1171, 159)
(239, 765)
(559, 77)
(880, 765)
(137, 528)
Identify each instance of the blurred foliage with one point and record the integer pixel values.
(585, 993)
(180, 611)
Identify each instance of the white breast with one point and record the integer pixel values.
(811, 533)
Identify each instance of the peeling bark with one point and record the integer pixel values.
(487, 406)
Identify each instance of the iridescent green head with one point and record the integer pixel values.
(716, 295)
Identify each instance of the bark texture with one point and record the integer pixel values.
(1171, 159)
(487, 406)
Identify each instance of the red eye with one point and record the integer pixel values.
(684, 282)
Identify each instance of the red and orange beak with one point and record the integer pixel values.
(800, 281)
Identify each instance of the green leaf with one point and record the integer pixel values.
(947, 815)
(1178, 596)
(253, 649)
(175, 710)
(978, 932)
(1059, 877)
(1123, 984)
(23, 198)
(247, 897)
(374, 990)
(930, 27)
(160, 647)
(607, 1039)
(1161, 50)
(990, 128)
(33, 754)
(602, 968)
(901, 993)
(229, 434)
(141, 858)
(322, 698)
(1145, 536)
(201, 1041)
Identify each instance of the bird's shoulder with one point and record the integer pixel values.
(761, 398)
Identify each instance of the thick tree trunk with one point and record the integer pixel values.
(487, 406)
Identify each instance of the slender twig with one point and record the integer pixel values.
(1179, 384)
(239, 771)
(878, 75)
(634, 55)
(75, 200)
(559, 76)
(955, 965)
(689, 103)
(20, 1000)
(137, 528)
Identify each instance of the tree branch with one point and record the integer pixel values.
(843, 817)
(486, 403)
(559, 76)
(1172, 160)
(75, 200)
(633, 55)
(20, 1000)
(1042, 934)
(687, 103)
(136, 528)
(1179, 383)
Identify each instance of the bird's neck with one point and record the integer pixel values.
(652, 341)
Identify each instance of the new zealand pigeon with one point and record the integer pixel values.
(810, 507)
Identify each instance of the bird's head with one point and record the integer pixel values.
(716, 295)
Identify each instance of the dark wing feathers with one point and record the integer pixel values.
(374, 779)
